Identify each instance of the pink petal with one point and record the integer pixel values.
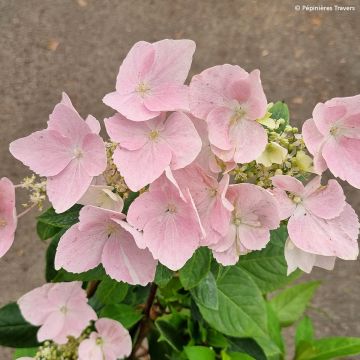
(253, 238)
(124, 261)
(90, 350)
(325, 202)
(129, 134)
(288, 183)
(325, 116)
(219, 125)
(249, 139)
(137, 235)
(141, 167)
(68, 123)
(34, 306)
(93, 124)
(66, 188)
(172, 61)
(52, 328)
(208, 90)
(312, 136)
(325, 237)
(286, 206)
(45, 152)
(168, 97)
(79, 251)
(182, 138)
(94, 155)
(130, 105)
(8, 218)
(343, 159)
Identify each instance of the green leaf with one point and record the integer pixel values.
(280, 111)
(205, 293)
(241, 310)
(199, 353)
(64, 220)
(248, 346)
(46, 231)
(170, 328)
(50, 272)
(275, 329)
(163, 275)
(268, 267)
(216, 339)
(125, 314)
(328, 348)
(240, 356)
(14, 330)
(25, 352)
(304, 331)
(291, 303)
(97, 273)
(111, 291)
(195, 268)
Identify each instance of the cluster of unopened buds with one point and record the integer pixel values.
(212, 167)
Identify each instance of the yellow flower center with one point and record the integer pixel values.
(142, 89)
(171, 209)
(153, 135)
(78, 153)
(3, 223)
(239, 113)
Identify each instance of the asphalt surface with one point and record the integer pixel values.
(50, 46)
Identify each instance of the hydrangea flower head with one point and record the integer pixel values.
(230, 100)
(61, 309)
(146, 149)
(103, 236)
(8, 218)
(111, 341)
(151, 79)
(69, 153)
(333, 137)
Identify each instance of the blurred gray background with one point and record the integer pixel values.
(50, 46)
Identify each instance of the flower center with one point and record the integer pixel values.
(239, 113)
(153, 135)
(142, 89)
(171, 209)
(99, 341)
(212, 192)
(110, 229)
(295, 198)
(334, 130)
(64, 309)
(78, 153)
(3, 223)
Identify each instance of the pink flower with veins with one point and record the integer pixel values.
(333, 137)
(69, 153)
(8, 218)
(151, 79)
(230, 100)
(146, 149)
(103, 236)
(60, 309)
(169, 221)
(296, 258)
(321, 222)
(111, 341)
(255, 213)
(210, 201)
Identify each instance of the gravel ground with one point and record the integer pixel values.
(50, 46)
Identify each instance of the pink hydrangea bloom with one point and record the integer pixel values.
(255, 213)
(151, 79)
(146, 149)
(69, 153)
(111, 341)
(103, 236)
(169, 221)
(321, 222)
(8, 218)
(60, 309)
(210, 201)
(333, 137)
(296, 258)
(230, 100)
